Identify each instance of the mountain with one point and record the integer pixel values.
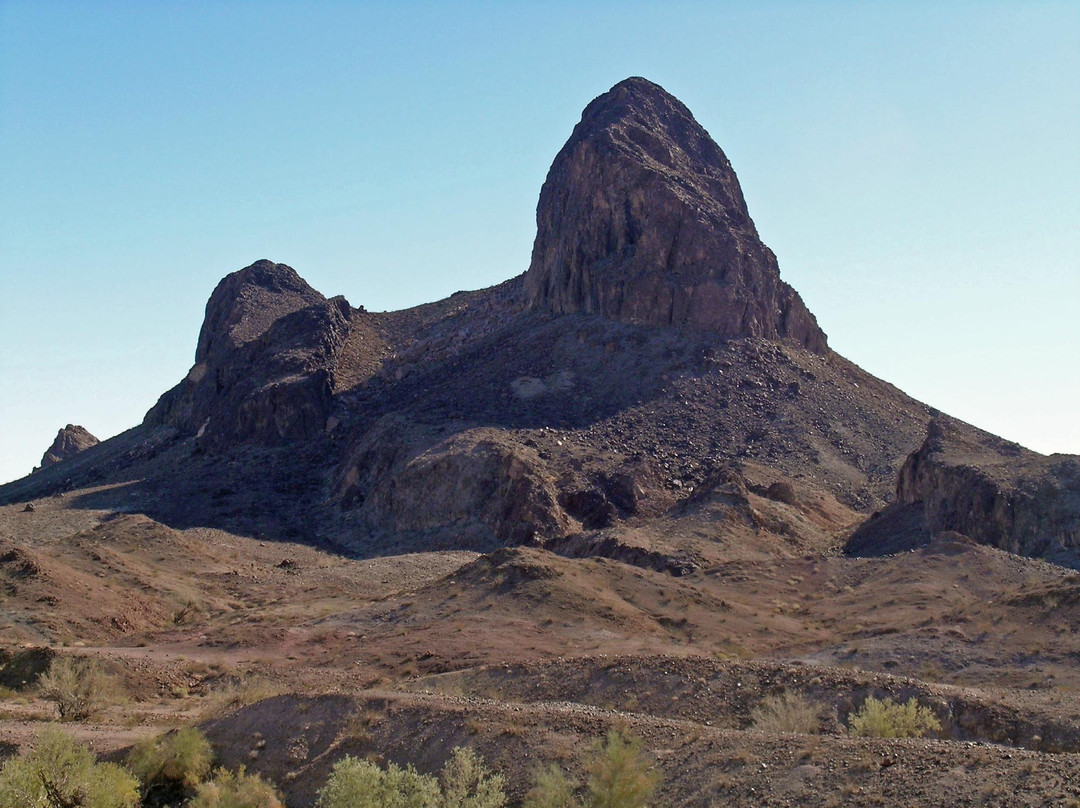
(649, 383)
(631, 488)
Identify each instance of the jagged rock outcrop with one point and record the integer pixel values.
(641, 219)
(264, 364)
(996, 492)
(70, 440)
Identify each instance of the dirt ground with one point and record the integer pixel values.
(290, 656)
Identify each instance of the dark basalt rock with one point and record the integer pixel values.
(70, 440)
(641, 219)
(263, 370)
(993, 491)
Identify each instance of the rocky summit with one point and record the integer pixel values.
(641, 219)
(69, 441)
(631, 489)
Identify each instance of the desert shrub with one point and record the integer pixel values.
(468, 783)
(171, 764)
(360, 784)
(236, 790)
(78, 687)
(887, 719)
(553, 788)
(787, 712)
(465, 782)
(619, 776)
(59, 773)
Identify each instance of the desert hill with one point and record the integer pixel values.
(630, 486)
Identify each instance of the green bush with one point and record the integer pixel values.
(786, 712)
(553, 788)
(79, 687)
(236, 790)
(619, 776)
(465, 782)
(887, 719)
(171, 764)
(468, 783)
(61, 773)
(359, 784)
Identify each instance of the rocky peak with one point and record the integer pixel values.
(263, 368)
(247, 302)
(70, 440)
(641, 219)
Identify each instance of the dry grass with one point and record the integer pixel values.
(237, 694)
(786, 712)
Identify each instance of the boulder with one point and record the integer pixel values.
(477, 483)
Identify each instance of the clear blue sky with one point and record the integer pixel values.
(914, 165)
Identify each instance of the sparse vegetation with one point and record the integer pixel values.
(172, 764)
(465, 782)
(553, 788)
(236, 790)
(786, 712)
(237, 694)
(884, 718)
(79, 687)
(468, 783)
(619, 776)
(61, 773)
(361, 784)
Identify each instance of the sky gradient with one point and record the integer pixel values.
(913, 165)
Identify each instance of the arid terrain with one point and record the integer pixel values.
(632, 487)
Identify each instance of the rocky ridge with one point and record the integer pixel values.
(992, 491)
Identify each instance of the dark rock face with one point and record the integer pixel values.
(641, 219)
(263, 368)
(484, 486)
(993, 491)
(70, 440)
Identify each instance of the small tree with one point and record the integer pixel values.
(619, 776)
(171, 765)
(468, 783)
(887, 719)
(236, 790)
(79, 687)
(61, 773)
(553, 788)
